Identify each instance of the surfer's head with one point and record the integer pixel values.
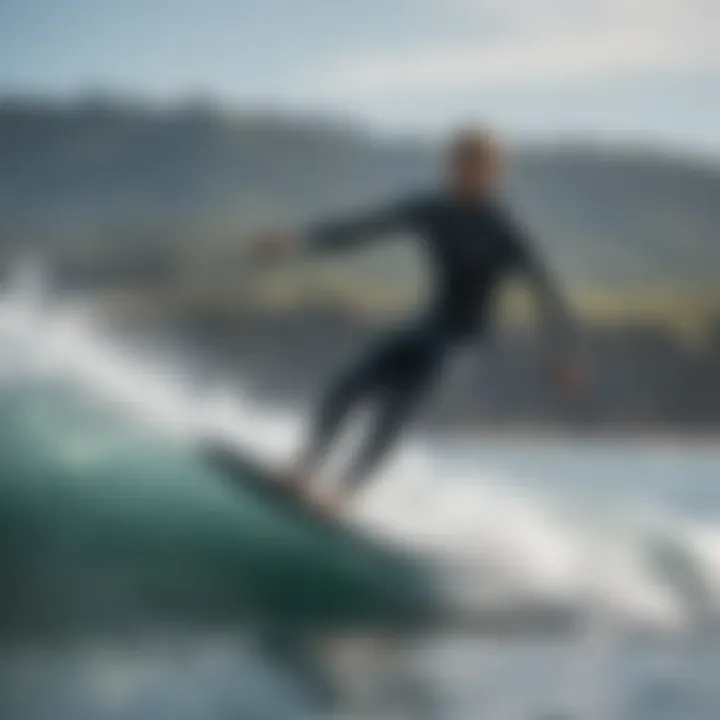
(475, 160)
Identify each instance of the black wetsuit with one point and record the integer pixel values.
(472, 247)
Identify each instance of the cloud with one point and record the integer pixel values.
(538, 42)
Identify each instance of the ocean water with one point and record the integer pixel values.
(618, 538)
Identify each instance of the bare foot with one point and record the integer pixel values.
(331, 503)
(295, 480)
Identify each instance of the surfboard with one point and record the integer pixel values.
(250, 475)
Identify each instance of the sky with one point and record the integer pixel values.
(617, 70)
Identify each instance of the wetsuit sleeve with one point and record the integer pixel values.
(351, 231)
(558, 318)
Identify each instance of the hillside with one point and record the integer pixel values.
(102, 175)
(151, 206)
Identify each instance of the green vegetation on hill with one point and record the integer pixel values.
(116, 189)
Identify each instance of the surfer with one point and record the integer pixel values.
(473, 243)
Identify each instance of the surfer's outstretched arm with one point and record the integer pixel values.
(334, 234)
(361, 228)
(559, 324)
(554, 309)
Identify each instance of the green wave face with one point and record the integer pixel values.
(105, 523)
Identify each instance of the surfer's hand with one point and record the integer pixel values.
(272, 247)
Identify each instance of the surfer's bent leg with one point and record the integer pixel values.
(396, 372)
(415, 365)
(353, 387)
(349, 390)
